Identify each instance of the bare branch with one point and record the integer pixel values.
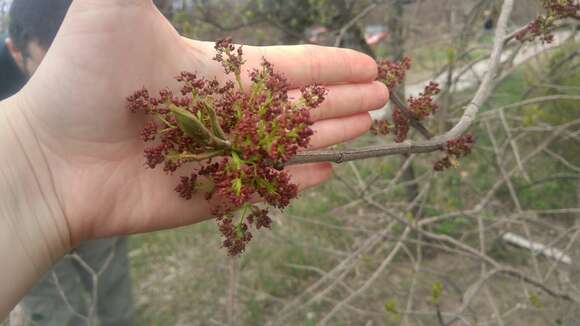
(437, 143)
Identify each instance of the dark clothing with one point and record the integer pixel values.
(11, 78)
(488, 25)
(64, 295)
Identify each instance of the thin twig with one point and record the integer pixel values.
(437, 143)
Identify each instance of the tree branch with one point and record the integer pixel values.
(434, 144)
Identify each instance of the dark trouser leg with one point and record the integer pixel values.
(108, 258)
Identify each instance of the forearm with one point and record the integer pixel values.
(33, 232)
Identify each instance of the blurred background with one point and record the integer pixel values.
(498, 239)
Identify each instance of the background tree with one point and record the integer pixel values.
(166, 7)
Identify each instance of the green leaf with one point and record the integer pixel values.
(236, 160)
(436, 291)
(535, 300)
(280, 148)
(237, 186)
(189, 124)
(238, 108)
(451, 53)
(392, 308)
(409, 217)
(267, 185)
(173, 155)
(215, 125)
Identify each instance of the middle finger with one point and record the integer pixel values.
(348, 99)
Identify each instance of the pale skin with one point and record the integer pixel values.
(71, 160)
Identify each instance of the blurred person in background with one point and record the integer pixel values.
(59, 298)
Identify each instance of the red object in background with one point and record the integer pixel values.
(375, 38)
(314, 34)
(375, 34)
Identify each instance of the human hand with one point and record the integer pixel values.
(75, 106)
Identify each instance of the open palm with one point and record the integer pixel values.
(105, 50)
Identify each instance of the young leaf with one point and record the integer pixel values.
(436, 291)
(189, 124)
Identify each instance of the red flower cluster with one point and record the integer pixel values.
(241, 137)
(402, 125)
(380, 127)
(230, 58)
(541, 26)
(455, 149)
(392, 73)
(419, 108)
(423, 105)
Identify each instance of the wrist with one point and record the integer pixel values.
(33, 230)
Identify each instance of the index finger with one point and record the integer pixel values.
(311, 64)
